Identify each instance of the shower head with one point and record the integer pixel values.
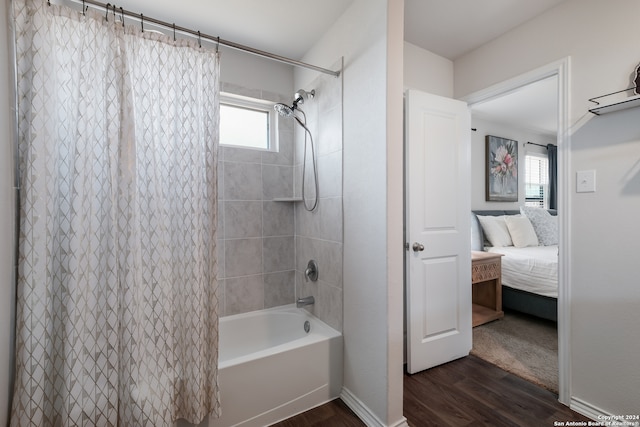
(284, 110)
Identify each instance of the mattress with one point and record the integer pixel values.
(532, 269)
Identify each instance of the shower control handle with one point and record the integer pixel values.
(418, 247)
(311, 273)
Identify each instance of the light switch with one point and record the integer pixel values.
(586, 181)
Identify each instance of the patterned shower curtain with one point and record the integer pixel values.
(117, 292)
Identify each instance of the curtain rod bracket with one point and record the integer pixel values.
(539, 145)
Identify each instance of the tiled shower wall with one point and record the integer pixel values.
(318, 234)
(256, 244)
(264, 246)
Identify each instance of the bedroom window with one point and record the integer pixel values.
(536, 180)
(247, 123)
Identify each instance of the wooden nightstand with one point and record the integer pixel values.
(486, 282)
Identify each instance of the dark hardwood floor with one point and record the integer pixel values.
(465, 392)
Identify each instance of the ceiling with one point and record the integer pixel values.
(290, 28)
(448, 28)
(533, 107)
(451, 28)
(284, 27)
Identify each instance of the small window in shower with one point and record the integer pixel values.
(247, 123)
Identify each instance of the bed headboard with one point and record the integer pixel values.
(477, 236)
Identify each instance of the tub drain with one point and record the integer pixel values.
(307, 326)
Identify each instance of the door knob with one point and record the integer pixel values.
(418, 247)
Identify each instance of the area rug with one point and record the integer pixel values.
(523, 345)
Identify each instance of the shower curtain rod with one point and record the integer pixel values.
(172, 26)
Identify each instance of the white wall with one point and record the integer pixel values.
(604, 233)
(7, 222)
(372, 187)
(478, 159)
(426, 71)
(251, 71)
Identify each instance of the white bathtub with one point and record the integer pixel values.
(271, 369)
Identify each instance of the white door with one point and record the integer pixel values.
(438, 234)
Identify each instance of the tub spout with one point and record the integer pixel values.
(305, 301)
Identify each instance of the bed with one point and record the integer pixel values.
(529, 274)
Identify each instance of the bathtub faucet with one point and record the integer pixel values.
(311, 271)
(305, 301)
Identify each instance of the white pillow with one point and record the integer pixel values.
(496, 231)
(545, 225)
(521, 230)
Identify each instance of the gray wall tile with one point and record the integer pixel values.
(327, 254)
(329, 305)
(238, 154)
(274, 97)
(220, 229)
(240, 90)
(297, 181)
(307, 223)
(330, 174)
(277, 219)
(323, 223)
(330, 133)
(319, 233)
(220, 173)
(284, 155)
(277, 181)
(243, 257)
(330, 218)
(299, 144)
(220, 252)
(306, 289)
(243, 219)
(309, 181)
(244, 294)
(221, 297)
(279, 288)
(278, 254)
(264, 246)
(242, 181)
(328, 96)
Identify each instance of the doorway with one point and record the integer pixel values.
(559, 71)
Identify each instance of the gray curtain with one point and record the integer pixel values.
(117, 289)
(552, 156)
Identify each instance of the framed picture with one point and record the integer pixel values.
(502, 169)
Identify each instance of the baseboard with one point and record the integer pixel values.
(599, 415)
(588, 410)
(364, 413)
